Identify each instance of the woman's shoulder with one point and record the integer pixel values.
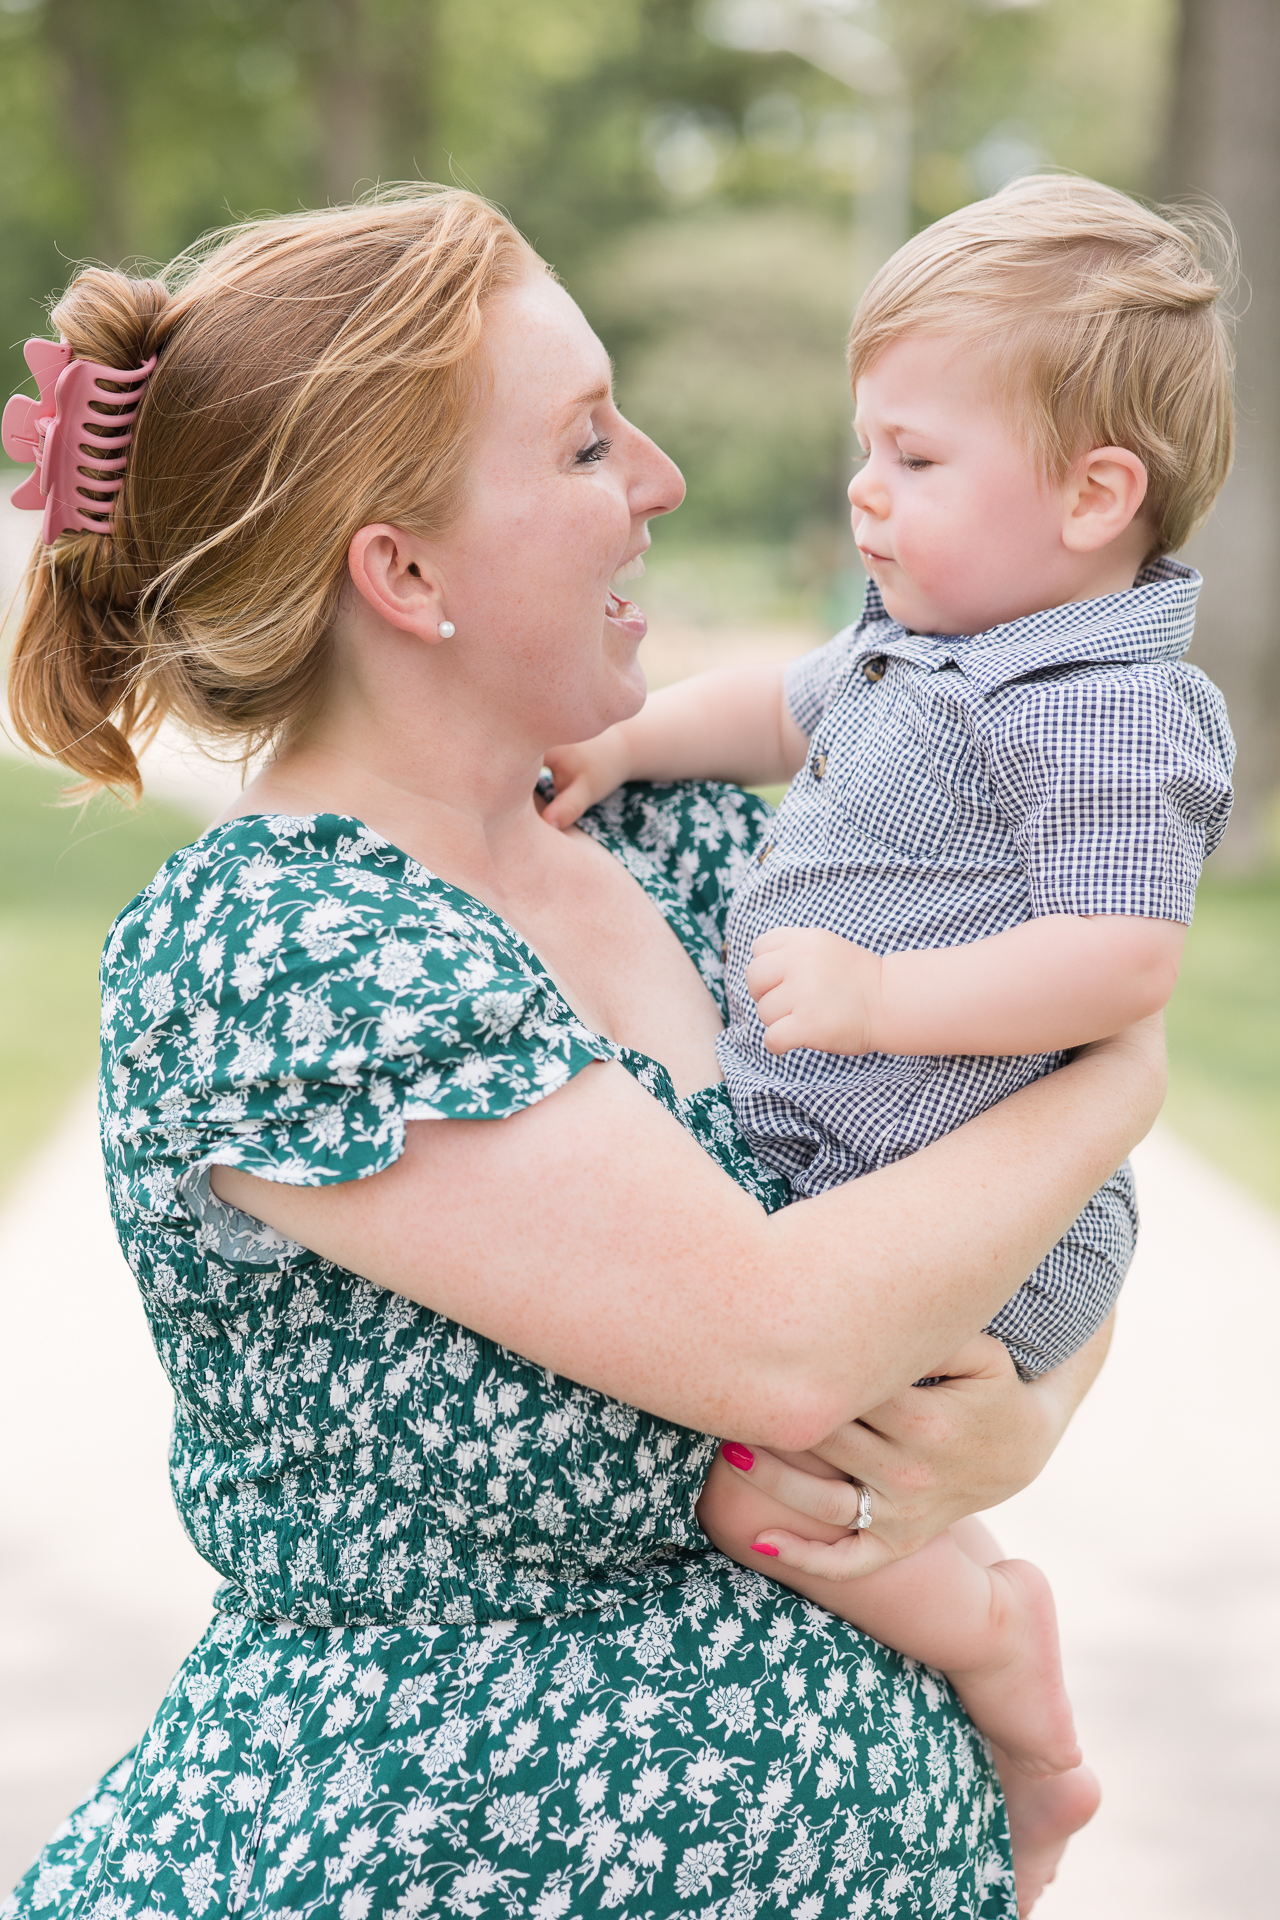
(306, 988)
(257, 891)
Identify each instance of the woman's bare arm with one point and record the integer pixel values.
(592, 1235)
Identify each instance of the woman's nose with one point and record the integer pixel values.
(658, 484)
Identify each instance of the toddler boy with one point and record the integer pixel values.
(1004, 783)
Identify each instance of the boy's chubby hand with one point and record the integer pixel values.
(583, 774)
(814, 989)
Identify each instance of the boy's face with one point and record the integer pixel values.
(955, 523)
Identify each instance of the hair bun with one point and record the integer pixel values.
(113, 319)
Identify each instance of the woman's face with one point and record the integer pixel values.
(560, 492)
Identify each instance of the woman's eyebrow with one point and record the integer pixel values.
(592, 399)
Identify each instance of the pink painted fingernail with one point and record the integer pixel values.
(760, 1547)
(738, 1456)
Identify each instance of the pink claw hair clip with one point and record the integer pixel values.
(73, 434)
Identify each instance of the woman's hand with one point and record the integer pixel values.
(928, 1456)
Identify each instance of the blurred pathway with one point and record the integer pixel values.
(1155, 1519)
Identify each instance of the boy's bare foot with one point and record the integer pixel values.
(1019, 1700)
(1043, 1815)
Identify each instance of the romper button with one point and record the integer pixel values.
(764, 853)
(874, 668)
(818, 765)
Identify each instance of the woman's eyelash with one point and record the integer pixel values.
(592, 455)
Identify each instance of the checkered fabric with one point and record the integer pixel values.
(1069, 762)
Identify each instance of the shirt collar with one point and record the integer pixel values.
(1152, 620)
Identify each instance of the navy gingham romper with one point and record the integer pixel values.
(1068, 762)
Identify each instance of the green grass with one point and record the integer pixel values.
(1224, 1033)
(64, 875)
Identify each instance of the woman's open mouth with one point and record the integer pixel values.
(627, 615)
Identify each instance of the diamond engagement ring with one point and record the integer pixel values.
(864, 1518)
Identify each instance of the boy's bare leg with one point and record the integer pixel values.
(1045, 1812)
(989, 1627)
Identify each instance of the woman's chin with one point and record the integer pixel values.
(628, 686)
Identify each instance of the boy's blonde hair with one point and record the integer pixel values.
(315, 372)
(1102, 324)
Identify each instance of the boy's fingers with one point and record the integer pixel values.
(785, 1033)
(570, 803)
(763, 976)
(775, 1005)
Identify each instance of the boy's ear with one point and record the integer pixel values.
(1103, 495)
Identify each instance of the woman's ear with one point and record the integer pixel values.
(1102, 497)
(391, 572)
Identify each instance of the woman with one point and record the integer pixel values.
(473, 1655)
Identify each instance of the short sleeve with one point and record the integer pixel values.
(1120, 783)
(282, 1008)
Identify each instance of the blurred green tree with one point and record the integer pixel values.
(676, 183)
(1224, 144)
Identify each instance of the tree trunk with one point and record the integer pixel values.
(374, 95)
(1224, 143)
(85, 55)
(347, 108)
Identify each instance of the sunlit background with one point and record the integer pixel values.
(714, 183)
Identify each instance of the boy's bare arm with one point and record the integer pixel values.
(733, 724)
(1052, 983)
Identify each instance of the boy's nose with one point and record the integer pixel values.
(865, 496)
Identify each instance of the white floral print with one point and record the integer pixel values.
(472, 1655)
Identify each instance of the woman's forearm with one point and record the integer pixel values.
(930, 1456)
(591, 1235)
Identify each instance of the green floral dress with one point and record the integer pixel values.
(473, 1655)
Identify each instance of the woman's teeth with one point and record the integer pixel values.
(630, 570)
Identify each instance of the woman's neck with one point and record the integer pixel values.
(461, 802)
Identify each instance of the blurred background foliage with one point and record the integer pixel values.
(698, 199)
(695, 197)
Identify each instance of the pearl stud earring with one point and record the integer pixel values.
(447, 629)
